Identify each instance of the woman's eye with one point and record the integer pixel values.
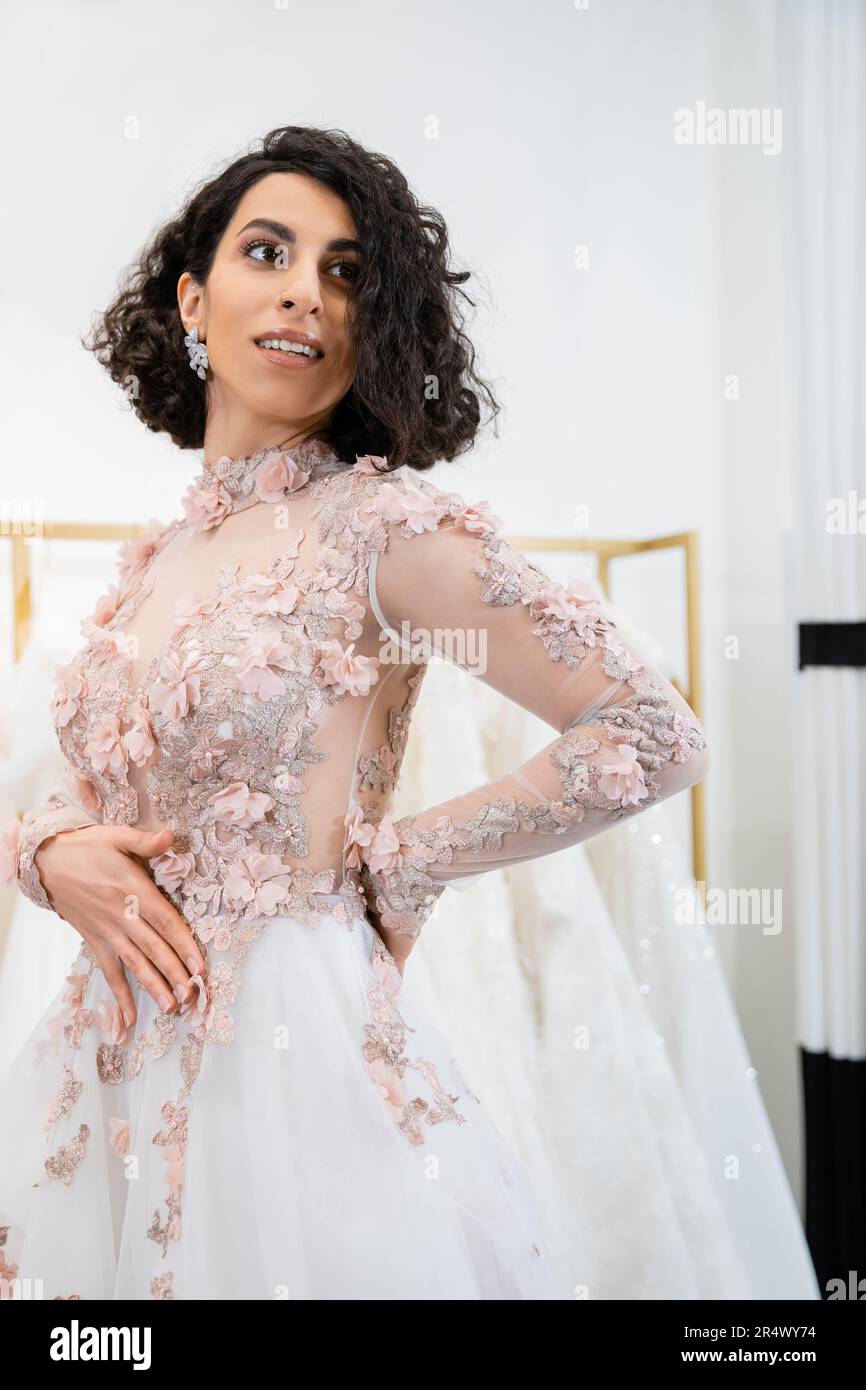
(350, 266)
(261, 245)
(270, 250)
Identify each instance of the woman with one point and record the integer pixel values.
(236, 1096)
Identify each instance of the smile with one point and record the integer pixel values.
(288, 345)
(285, 353)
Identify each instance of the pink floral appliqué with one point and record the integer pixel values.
(622, 777)
(410, 505)
(105, 747)
(70, 688)
(577, 602)
(206, 505)
(264, 593)
(178, 690)
(479, 519)
(279, 476)
(170, 869)
(264, 650)
(119, 1134)
(138, 738)
(350, 674)
(259, 880)
(111, 1021)
(137, 553)
(359, 836)
(106, 606)
(189, 609)
(235, 804)
(384, 853)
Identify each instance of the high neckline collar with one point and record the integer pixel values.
(271, 474)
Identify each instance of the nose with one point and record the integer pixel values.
(299, 286)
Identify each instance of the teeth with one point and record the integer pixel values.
(283, 345)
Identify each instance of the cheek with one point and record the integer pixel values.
(230, 310)
(231, 357)
(344, 355)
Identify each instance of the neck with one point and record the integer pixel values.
(268, 474)
(243, 438)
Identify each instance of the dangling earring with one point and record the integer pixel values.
(197, 353)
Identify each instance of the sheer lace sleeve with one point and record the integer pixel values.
(70, 805)
(447, 584)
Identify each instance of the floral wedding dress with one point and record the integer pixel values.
(301, 1129)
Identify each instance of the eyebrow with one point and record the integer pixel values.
(287, 234)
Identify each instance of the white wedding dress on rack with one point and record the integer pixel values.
(38, 947)
(630, 1140)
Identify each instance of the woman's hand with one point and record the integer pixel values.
(388, 897)
(399, 891)
(94, 879)
(397, 943)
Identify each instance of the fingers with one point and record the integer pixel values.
(398, 946)
(146, 973)
(116, 980)
(113, 903)
(159, 931)
(164, 939)
(144, 842)
(172, 928)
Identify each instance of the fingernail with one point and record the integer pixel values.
(165, 1002)
(127, 1017)
(195, 966)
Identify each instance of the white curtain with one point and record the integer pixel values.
(822, 73)
(823, 70)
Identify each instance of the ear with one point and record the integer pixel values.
(190, 300)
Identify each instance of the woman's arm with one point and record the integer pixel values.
(626, 738)
(71, 804)
(93, 877)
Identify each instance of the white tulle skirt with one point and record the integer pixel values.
(302, 1133)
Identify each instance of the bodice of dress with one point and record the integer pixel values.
(250, 678)
(229, 687)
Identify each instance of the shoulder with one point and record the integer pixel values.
(379, 504)
(134, 555)
(370, 510)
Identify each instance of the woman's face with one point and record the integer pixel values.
(288, 260)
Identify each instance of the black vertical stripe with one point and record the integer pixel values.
(835, 1109)
(832, 644)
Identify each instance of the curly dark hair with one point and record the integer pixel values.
(403, 316)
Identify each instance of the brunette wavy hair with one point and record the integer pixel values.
(415, 398)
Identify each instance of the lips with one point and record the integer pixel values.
(290, 335)
(293, 361)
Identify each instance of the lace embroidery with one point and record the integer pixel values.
(68, 1159)
(387, 1061)
(54, 816)
(109, 1063)
(614, 774)
(161, 1285)
(71, 1020)
(8, 1268)
(63, 1100)
(156, 1040)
